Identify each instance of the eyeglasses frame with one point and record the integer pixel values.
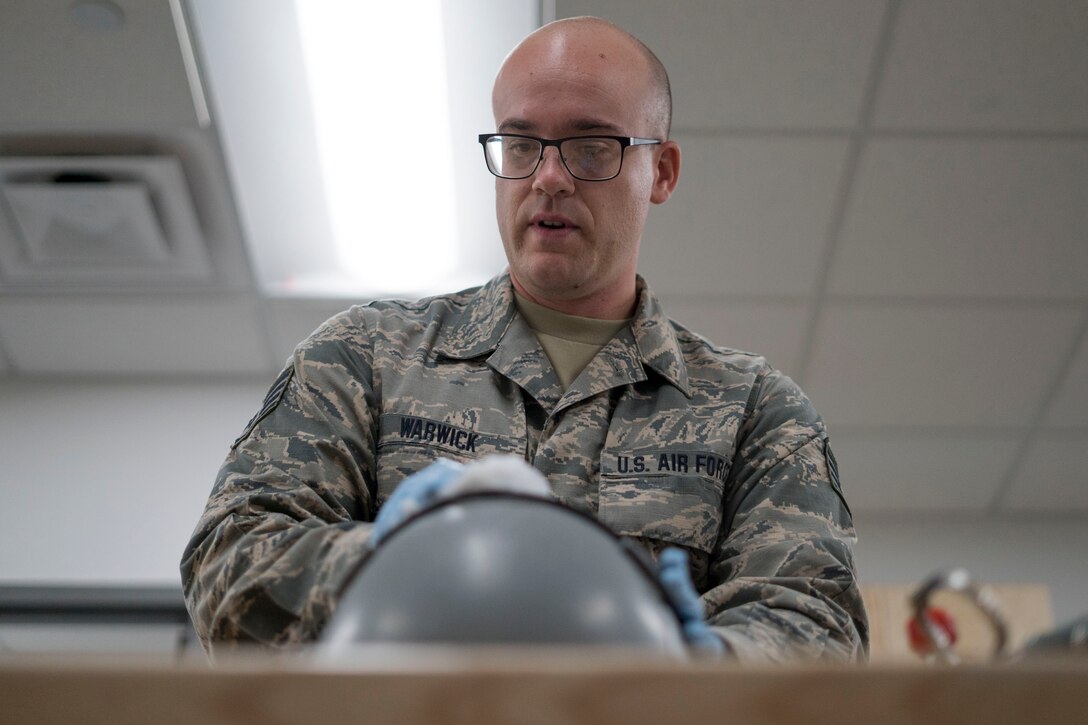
(625, 143)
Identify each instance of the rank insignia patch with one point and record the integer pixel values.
(271, 400)
(833, 473)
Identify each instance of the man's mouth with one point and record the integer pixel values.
(552, 222)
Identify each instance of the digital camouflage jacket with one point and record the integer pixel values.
(663, 437)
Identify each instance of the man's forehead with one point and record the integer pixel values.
(566, 98)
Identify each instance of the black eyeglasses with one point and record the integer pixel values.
(589, 158)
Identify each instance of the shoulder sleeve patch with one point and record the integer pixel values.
(271, 400)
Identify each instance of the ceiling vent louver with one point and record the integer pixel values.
(98, 221)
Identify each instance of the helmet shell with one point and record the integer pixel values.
(501, 568)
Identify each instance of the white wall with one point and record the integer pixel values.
(1038, 551)
(103, 483)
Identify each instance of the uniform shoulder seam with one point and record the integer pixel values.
(687, 336)
(458, 300)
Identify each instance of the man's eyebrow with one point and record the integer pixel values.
(577, 125)
(515, 124)
(594, 124)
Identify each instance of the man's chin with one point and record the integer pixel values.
(557, 281)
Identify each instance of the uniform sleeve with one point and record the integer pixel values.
(286, 522)
(783, 581)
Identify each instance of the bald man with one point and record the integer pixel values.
(566, 360)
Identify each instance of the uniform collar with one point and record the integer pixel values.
(486, 318)
(482, 323)
(656, 339)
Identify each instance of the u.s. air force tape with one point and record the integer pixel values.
(271, 400)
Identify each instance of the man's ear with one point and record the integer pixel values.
(666, 172)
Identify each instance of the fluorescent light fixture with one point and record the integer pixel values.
(350, 132)
(377, 80)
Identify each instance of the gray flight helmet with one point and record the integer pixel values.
(500, 568)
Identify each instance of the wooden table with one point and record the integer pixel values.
(530, 686)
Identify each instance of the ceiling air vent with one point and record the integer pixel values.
(98, 221)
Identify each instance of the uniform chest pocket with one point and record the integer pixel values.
(408, 444)
(677, 509)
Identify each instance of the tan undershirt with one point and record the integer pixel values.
(569, 341)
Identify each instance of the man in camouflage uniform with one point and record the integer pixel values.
(661, 435)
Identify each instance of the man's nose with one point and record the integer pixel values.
(551, 176)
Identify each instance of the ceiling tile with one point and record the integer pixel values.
(1003, 218)
(754, 63)
(992, 64)
(291, 321)
(154, 336)
(913, 472)
(1052, 477)
(937, 365)
(1070, 406)
(749, 216)
(55, 74)
(774, 330)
